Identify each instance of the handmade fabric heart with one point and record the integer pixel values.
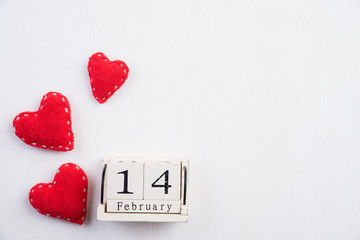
(106, 77)
(64, 198)
(49, 127)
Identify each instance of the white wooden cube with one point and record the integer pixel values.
(124, 180)
(146, 190)
(162, 180)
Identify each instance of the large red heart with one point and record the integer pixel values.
(49, 127)
(106, 76)
(65, 197)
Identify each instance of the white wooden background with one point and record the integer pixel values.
(262, 96)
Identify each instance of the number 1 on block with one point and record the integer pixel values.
(125, 180)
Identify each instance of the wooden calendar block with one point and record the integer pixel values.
(124, 180)
(162, 180)
(139, 189)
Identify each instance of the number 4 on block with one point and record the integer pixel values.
(162, 180)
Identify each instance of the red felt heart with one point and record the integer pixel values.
(65, 197)
(49, 127)
(106, 76)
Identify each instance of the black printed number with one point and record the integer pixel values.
(125, 190)
(166, 185)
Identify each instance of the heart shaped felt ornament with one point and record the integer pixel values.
(106, 77)
(49, 127)
(65, 197)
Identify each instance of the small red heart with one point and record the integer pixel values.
(65, 197)
(106, 76)
(49, 127)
